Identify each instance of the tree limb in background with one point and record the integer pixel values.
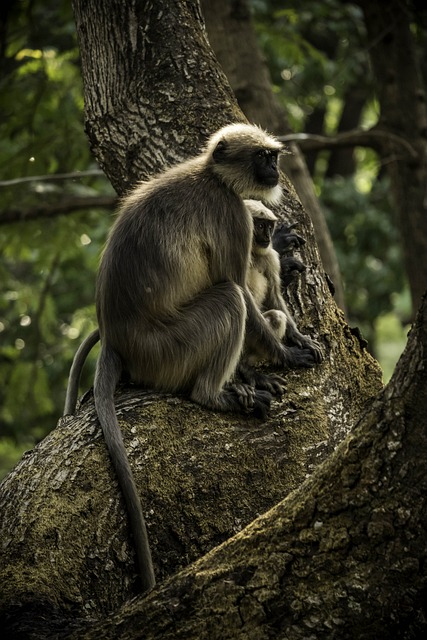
(66, 205)
(373, 138)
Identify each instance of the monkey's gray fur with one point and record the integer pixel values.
(172, 299)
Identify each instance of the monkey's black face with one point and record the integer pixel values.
(263, 230)
(265, 167)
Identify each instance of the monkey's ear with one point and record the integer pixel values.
(219, 153)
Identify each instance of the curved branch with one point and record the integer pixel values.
(373, 138)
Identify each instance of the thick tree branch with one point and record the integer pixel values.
(320, 562)
(66, 205)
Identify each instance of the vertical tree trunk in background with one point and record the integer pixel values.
(232, 37)
(341, 161)
(402, 112)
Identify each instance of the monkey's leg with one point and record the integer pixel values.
(224, 341)
(196, 350)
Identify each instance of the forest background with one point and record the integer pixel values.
(56, 205)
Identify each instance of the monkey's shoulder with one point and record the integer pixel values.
(189, 185)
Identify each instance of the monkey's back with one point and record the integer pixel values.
(166, 246)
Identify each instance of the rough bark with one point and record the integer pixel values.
(402, 101)
(66, 558)
(153, 91)
(232, 36)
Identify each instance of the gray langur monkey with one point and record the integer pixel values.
(265, 285)
(172, 299)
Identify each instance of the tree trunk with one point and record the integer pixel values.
(403, 112)
(232, 36)
(150, 99)
(341, 161)
(153, 92)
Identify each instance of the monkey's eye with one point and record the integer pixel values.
(263, 153)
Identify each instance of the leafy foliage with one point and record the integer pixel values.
(366, 239)
(314, 50)
(47, 266)
(317, 55)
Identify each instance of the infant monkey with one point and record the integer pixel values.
(265, 285)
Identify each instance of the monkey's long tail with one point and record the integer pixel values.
(107, 375)
(75, 372)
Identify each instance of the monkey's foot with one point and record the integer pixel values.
(245, 394)
(272, 383)
(238, 396)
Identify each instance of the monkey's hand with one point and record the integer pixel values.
(294, 357)
(285, 239)
(304, 342)
(314, 347)
(290, 269)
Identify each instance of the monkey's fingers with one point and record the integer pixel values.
(314, 347)
(272, 383)
(317, 351)
(277, 384)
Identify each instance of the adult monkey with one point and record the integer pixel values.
(264, 282)
(172, 298)
(265, 285)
